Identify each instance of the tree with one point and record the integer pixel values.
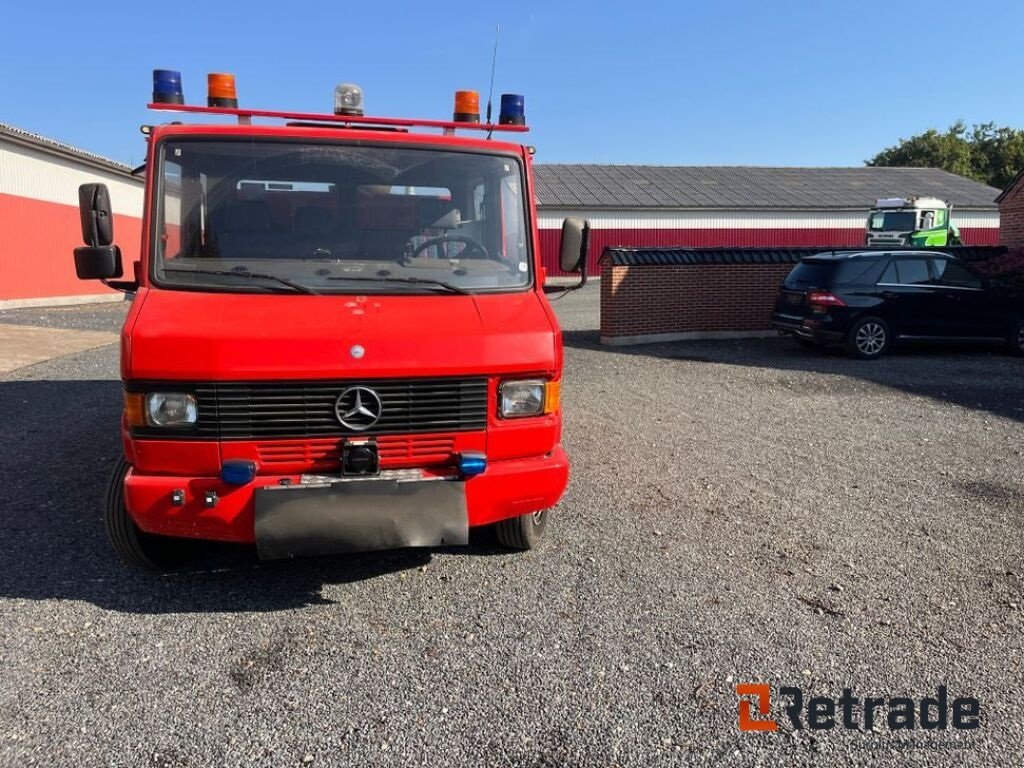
(986, 153)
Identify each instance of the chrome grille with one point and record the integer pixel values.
(282, 409)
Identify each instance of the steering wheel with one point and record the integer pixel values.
(473, 249)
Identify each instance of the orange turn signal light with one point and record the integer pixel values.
(467, 107)
(221, 90)
(552, 396)
(134, 409)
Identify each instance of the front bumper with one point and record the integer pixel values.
(506, 489)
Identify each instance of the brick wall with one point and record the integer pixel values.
(687, 301)
(1011, 217)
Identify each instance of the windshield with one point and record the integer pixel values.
(893, 221)
(335, 218)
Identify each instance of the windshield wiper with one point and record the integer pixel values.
(299, 287)
(410, 280)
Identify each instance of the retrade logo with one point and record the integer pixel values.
(936, 712)
(762, 694)
(358, 408)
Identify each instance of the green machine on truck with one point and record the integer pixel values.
(917, 221)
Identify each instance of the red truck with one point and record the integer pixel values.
(339, 339)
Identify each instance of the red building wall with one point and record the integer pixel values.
(37, 242)
(40, 225)
(1011, 216)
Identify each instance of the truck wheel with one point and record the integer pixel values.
(142, 550)
(868, 339)
(523, 532)
(1016, 340)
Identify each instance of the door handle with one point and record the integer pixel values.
(889, 294)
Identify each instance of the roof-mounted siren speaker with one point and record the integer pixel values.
(467, 107)
(513, 109)
(220, 90)
(348, 100)
(167, 87)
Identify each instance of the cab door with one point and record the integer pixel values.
(910, 301)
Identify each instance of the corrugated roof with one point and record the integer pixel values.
(22, 136)
(655, 257)
(749, 187)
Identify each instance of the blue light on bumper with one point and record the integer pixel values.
(238, 471)
(472, 463)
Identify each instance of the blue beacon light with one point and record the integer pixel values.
(513, 109)
(167, 87)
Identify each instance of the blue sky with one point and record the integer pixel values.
(764, 83)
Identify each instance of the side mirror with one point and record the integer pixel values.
(572, 256)
(573, 250)
(98, 259)
(97, 218)
(98, 262)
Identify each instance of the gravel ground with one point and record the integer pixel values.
(90, 317)
(739, 512)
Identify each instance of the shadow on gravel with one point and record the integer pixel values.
(61, 442)
(976, 377)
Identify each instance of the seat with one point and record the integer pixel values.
(313, 221)
(316, 236)
(248, 231)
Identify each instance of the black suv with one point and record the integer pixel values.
(866, 300)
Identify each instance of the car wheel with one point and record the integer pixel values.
(523, 532)
(137, 548)
(1016, 340)
(869, 338)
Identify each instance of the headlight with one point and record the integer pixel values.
(171, 409)
(529, 397)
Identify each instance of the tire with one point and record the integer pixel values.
(1016, 341)
(136, 548)
(868, 339)
(524, 532)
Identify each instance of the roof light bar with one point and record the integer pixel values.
(354, 120)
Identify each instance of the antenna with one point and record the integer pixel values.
(494, 64)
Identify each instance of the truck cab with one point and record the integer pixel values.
(915, 221)
(339, 339)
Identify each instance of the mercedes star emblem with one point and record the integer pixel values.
(357, 351)
(358, 408)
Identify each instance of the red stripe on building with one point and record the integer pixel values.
(37, 242)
